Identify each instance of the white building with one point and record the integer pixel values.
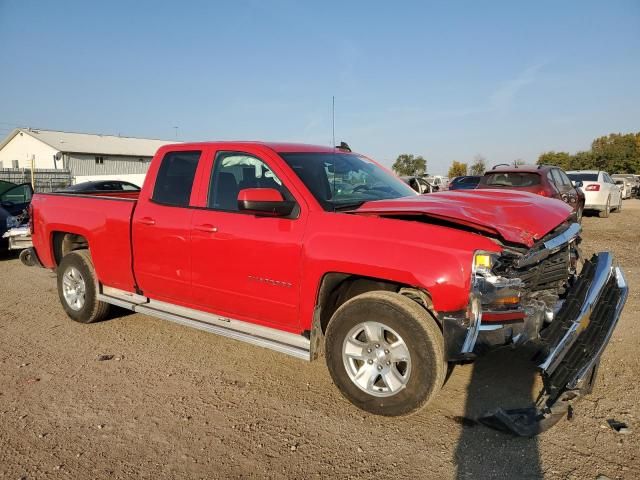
(86, 156)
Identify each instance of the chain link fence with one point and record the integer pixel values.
(46, 180)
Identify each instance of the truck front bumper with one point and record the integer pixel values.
(571, 346)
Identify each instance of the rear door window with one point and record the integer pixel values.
(175, 178)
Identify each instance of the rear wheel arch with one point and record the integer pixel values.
(64, 243)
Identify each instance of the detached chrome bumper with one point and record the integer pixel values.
(574, 341)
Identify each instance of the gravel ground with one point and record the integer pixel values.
(179, 403)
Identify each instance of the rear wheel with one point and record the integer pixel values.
(385, 353)
(607, 209)
(78, 288)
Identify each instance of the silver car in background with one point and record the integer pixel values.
(600, 191)
(631, 183)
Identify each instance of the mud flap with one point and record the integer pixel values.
(574, 343)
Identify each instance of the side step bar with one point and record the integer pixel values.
(289, 343)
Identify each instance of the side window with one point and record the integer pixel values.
(557, 177)
(566, 180)
(235, 171)
(607, 178)
(175, 178)
(129, 187)
(551, 178)
(19, 194)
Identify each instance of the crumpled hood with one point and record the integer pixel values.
(517, 217)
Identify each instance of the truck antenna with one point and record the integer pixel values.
(333, 121)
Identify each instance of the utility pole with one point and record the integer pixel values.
(33, 172)
(176, 132)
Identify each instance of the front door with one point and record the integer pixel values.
(246, 267)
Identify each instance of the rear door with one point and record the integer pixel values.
(246, 267)
(161, 230)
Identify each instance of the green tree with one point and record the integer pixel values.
(617, 153)
(457, 169)
(407, 164)
(563, 160)
(583, 161)
(479, 165)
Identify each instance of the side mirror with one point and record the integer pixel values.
(577, 183)
(264, 202)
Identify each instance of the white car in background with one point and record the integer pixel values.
(628, 182)
(600, 191)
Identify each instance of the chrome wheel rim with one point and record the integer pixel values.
(377, 359)
(74, 288)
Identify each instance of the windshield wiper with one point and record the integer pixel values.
(348, 206)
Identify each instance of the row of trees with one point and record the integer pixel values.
(614, 153)
(412, 165)
(478, 167)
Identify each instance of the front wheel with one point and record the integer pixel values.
(385, 353)
(78, 288)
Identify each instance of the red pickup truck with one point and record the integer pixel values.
(316, 251)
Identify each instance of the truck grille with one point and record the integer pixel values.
(548, 274)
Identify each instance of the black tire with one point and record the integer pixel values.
(93, 309)
(607, 209)
(421, 335)
(26, 257)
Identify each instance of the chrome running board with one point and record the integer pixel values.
(289, 343)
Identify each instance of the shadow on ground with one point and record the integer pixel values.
(505, 378)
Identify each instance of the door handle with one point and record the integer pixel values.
(206, 227)
(147, 221)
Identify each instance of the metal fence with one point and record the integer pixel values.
(46, 180)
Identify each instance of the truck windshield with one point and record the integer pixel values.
(340, 181)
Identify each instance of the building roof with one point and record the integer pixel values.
(71, 142)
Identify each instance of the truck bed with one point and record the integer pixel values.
(102, 218)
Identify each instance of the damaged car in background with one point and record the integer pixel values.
(254, 241)
(14, 217)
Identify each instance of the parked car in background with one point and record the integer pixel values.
(600, 191)
(102, 186)
(437, 182)
(627, 183)
(419, 184)
(466, 182)
(545, 180)
(14, 203)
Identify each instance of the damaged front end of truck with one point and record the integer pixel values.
(549, 297)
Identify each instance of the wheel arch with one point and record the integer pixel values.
(337, 287)
(65, 242)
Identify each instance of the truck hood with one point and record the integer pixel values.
(517, 217)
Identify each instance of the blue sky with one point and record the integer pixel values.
(445, 80)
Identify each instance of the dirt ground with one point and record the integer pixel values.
(180, 403)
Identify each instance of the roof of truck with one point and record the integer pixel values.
(280, 147)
